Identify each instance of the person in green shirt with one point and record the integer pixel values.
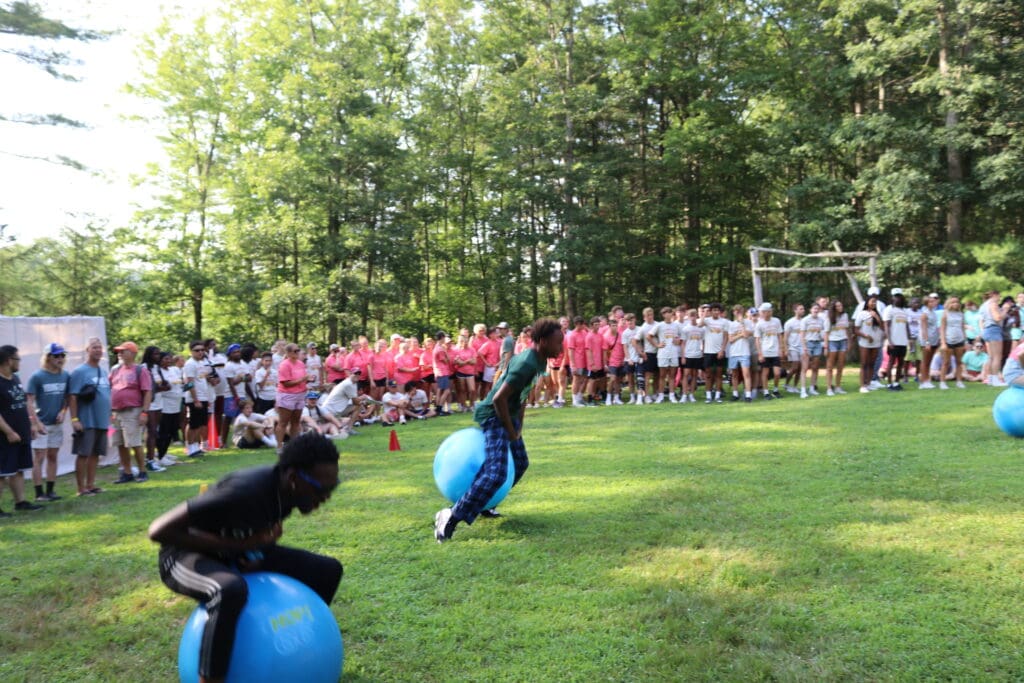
(500, 416)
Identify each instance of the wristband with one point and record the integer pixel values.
(75, 419)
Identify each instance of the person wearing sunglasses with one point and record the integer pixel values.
(209, 542)
(47, 392)
(17, 429)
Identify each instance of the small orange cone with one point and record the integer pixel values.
(211, 433)
(393, 445)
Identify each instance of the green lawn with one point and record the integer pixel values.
(849, 538)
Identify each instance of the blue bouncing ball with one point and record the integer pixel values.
(285, 633)
(1008, 411)
(459, 459)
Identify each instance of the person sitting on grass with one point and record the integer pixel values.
(209, 542)
(419, 402)
(500, 415)
(250, 429)
(318, 419)
(396, 406)
(974, 362)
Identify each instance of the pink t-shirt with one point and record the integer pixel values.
(406, 360)
(127, 386)
(618, 354)
(595, 346)
(362, 359)
(442, 366)
(290, 369)
(578, 349)
(490, 352)
(459, 359)
(475, 343)
(336, 366)
(382, 365)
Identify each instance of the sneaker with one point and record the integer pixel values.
(769, 397)
(830, 392)
(776, 393)
(672, 398)
(840, 391)
(5, 514)
(893, 387)
(441, 519)
(961, 385)
(693, 399)
(708, 399)
(648, 399)
(813, 391)
(803, 393)
(141, 477)
(750, 400)
(490, 514)
(865, 390)
(125, 478)
(166, 462)
(735, 397)
(617, 401)
(875, 384)
(997, 383)
(25, 506)
(197, 455)
(943, 385)
(897, 387)
(52, 497)
(153, 466)
(661, 397)
(718, 398)
(925, 385)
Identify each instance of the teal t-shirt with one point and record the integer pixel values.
(521, 375)
(94, 415)
(50, 390)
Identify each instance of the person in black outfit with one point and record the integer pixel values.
(16, 430)
(210, 541)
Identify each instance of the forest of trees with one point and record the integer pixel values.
(339, 166)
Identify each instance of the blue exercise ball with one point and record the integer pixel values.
(285, 633)
(1008, 411)
(459, 458)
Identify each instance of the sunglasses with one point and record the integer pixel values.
(317, 486)
(58, 355)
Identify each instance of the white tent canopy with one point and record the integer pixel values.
(31, 335)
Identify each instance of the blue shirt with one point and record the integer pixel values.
(50, 390)
(94, 415)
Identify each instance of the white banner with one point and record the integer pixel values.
(31, 335)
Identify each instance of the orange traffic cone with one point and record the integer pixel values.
(211, 433)
(393, 444)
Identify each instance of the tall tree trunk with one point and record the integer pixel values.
(954, 159)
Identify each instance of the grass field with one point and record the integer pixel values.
(849, 538)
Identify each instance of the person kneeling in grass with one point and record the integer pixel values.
(210, 541)
(500, 415)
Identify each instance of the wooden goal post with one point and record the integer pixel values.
(844, 258)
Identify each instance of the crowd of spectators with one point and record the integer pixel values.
(256, 399)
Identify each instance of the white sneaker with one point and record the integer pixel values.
(960, 385)
(997, 382)
(865, 390)
(875, 384)
(925, 385)
(167, 462)
(943, 385)
(803, 394)
(840, 391)
(617, 401)
(830, 392)
(660, 399)
(579, 404)
(440, 523)
(648, 399)
(608, 400)
(672, 398)
(812, 391)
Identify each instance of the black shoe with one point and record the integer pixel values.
(125, 478)
(776, 393)
(768, 397)
(748, 399)
(197, 455)
(490, 514)
(26, 506)
(53, 497)
(5, 514)
(735, 397)
(141, 477)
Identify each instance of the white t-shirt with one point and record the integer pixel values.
(839, 331)
(668, 333)
(268, 392)
(219, 361)
(313, 365)
(168, 401)
(814, 326)
(899, 325)
(241, 422)
(954, 327)
(628, 335)
(341, 396)
(232, 370)
(197, 372)
(866, 322)
(793, 328)
(714, 334)
(693, 341)
(649, 329)
(418, 399)
(769, 332)
(392, 397)
(316, 414)
(739, 347)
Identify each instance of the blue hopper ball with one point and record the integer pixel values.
(457, 462)
(1008, 411)
(285, 633)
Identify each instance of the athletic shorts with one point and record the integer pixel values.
(771, 362)
(89, 442)
(15, 457)
(712, 361)
(127, 428)
(231, 406)
(898, 352)
(296, 401)
(382, 382)
(736, 362)
(465, 375)
(53, 438)
(487, 376)
(668, 362)
(363, 384)
(198, 414)
(955, 345)
(479, 377)
(596, 374)
(616, 370)
(651, 363)
(242, 442)
(838, 346)
(428, 379)
(444, 382)
(694, 363)
(814, 347)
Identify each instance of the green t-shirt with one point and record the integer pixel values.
(521, 375)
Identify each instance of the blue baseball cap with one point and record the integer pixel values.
(234, 347)
(55, 349)
(313, 395)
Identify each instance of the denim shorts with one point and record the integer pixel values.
(814, 348)
(992, 333)
(838, 346)
(739, 361)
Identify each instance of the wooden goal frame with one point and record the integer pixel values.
(844, 257)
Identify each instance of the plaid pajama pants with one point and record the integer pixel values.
(494, 471)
